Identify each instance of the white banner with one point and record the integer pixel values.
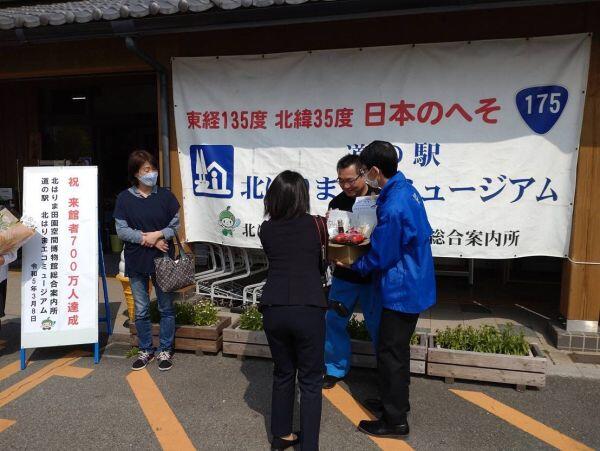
(487, 131)
(59, 288)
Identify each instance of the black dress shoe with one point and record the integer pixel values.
(279, 444)
(374, 406)
(380, 428)
(330, 381)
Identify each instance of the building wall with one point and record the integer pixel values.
(581, 282)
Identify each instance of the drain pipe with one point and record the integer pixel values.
(164, 107)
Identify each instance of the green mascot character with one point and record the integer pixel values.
(228, 222)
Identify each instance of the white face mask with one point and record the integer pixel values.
(373, 183)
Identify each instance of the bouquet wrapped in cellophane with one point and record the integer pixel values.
(14, 233)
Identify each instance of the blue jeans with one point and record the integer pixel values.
(139, 289)
(337, 342)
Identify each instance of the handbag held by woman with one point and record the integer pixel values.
(174, 274)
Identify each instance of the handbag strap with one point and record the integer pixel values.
(181, 253)
(322, 239)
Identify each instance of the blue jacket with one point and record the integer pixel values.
(400, 255)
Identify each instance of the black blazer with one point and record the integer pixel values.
(293, 248)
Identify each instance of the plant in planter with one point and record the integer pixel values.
(363, 354)
(198, 325)
(484, 339)
(251, 319)
(486, 354)
(200, 313)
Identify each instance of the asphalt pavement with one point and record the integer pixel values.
(63, 401)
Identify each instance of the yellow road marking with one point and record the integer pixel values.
(72, 371)
(162, 420)
(52, 369)
(521, 421)
(346, 404)
(9, 370)
(5, 424)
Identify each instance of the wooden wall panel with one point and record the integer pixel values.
(580, 297)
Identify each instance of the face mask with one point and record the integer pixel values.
(148, 179)
(373, 183)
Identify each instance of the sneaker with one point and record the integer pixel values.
(143, 359)
(165, 360)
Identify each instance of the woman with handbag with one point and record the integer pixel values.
(293, 306)
(147, 218)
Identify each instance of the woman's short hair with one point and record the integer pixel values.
(287, 197)
(137, 159)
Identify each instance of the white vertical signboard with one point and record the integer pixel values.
(59, 292)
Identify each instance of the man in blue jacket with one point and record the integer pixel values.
(401, 264)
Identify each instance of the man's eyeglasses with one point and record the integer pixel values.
(343, 182)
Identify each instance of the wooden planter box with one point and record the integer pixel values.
(191, 338)
(521, 371)
(241, 342)
(363, 354)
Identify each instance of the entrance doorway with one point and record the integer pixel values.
(98, 121)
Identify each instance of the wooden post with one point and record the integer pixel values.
(580, 296)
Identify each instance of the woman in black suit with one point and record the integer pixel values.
(293, 306)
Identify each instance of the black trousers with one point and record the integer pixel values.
(393, 363)
(3, 286)
(296, 336)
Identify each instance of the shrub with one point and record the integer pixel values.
(486, 338)
(199, 313)
(205, 313)
(251, 319)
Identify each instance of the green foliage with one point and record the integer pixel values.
(357, 329)
(415, 340)
(486, 338)
(205, 313)
(132, 352)
(251, 319)
(199, 313)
